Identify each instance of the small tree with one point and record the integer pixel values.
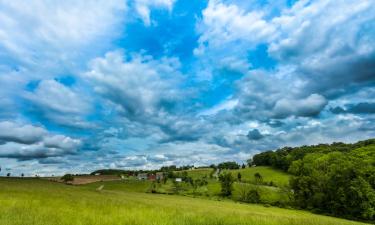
(226, 181)
(239, 176)
(22, 175)
(67, 178)
(8, 174)
(258, 178)
(243, 166)
(248, 194)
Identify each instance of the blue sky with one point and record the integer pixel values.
(144, 83)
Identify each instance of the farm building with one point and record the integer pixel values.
(159, 176)
(151, 177)
(178, 179)
(142, 176)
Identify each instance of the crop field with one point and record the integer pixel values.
(42, 202)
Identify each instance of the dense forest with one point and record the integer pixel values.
(336, 179)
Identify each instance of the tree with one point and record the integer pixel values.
(336, 183)
(226, 182)
(239, 176)
(258, 178)
(228, 165)
(248, 194)
(67, 178)
(243, 166)
(8, 174)
(22, 175)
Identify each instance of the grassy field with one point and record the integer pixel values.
(41, 202)
(199, 173)
(268, 174)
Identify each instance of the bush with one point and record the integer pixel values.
(248, 194)
(228, 165)
(67, 178)
(226, 181)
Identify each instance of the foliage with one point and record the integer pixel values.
(226, 182)
(228, 165)
(338, 179)
(336, 183)
(258, 178)
(67, 177)
(248, 194)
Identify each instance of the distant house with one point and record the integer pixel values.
(142, 176)
(151, 177)
(159, 176)
(178, 179)
(97, 174)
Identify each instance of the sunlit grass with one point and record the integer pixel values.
(268, 174)
(38, 202)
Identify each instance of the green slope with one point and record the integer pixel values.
(39, 202)
(268, 174)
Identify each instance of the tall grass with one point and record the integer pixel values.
(38, 202)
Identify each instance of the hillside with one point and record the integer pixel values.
(277, 177)
(41, 202)
(336, 179)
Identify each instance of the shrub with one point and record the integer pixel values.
(67, 178)
(226, 181)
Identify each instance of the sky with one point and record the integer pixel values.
(139, 84)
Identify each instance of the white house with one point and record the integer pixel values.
(142, 176)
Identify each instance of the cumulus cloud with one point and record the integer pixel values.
(258, 79)
(57, 28)
(59, 103)
(140, 85)
(339, 49)
(310, 106)
(22, 134)
(27, 142)
(226, 23)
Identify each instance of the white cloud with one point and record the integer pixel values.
(29, 142)
(309, 106)
(143, 8)
(54, 96)
(141, 85)
(24, 134)
(51, 32)
(226, 23)
(60, 104)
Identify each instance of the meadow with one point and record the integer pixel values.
(41, 202)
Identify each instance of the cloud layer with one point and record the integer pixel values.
(140, 84)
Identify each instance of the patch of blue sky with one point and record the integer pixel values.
(171, 33)
(260, 59)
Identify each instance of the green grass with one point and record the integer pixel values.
(199, 173)
(40, 202)
(121, 185)
(269, 174)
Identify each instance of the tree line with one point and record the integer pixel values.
(336, 179)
